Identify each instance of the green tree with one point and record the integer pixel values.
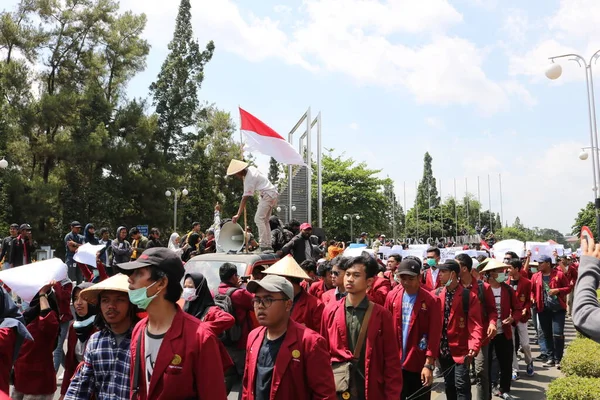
(175, 92)
(274, 171)
(585, 217)
(427, 194)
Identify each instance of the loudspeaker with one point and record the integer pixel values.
(231, 237)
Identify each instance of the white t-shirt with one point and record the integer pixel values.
(152, 347)
(497, 296)
(254, 181)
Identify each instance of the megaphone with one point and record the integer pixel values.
(231, 237)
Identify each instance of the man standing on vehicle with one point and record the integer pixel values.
(254, 181)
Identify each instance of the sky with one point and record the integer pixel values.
(463, 80)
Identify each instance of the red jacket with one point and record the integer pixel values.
(302, 368)
(34, 369)
(558, 280)
(71, 362)
(424, 321)
(572, 273)
(242, 304)
(307, 311)
(317, 289)
(328, 297)
(461, 340)
(488, 308)
(509, 306)
(383, 371)
(379, 290)
(427, 280)
(188, 364)
(218, 321)
(523, 294)
(390, 276)
(63, 297)
(8, 339)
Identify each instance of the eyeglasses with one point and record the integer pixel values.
(266, 301)
(335, 273)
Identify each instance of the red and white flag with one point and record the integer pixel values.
(261, 138)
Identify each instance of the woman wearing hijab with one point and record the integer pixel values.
(79, 333)
(199, 303)
(174, 241)
(34, 376)
(12, 334)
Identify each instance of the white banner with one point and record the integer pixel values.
(504, 246)
(86, 254)
(539, 249)
(27, 280)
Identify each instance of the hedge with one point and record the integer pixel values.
(582, 358)
(574, 388)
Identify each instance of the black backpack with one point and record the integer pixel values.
(232, 335)
(465, 299)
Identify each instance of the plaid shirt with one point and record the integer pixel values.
(105, 369)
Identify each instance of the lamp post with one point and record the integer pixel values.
(173, 191)
(3, 163)
(554, 71)
(282, 207)
(351, 218)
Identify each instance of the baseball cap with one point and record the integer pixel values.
(409, 267)
(161, 258)
(305, 225)
(25, 227)
(273, 284)
(16, 226)
(75, 224)
(450, 265)
(363, 234)
(544, 258)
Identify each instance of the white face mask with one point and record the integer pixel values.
(189, 294)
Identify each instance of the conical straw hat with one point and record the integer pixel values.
(236, 166)
(287, 266)
(492, 264)
(117, 283)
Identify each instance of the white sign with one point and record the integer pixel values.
(27, 280)
(385, 251)
(86, 254)
(539, 249)
(414, 252)
(471, 253)
(504, 246)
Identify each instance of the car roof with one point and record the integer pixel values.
(249, 258)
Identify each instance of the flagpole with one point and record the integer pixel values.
(429, 208)
(405, 210)
(441, 208)
(245, 213)
(501, 205)
(455, 212)
(417, 205)
(479, 200)
(467, 201)
(490, 204)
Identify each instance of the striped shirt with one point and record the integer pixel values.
(105, 368)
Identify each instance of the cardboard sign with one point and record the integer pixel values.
(27, 280)
(504, 246)
(86, 254)
(471, 253)
(539, 249)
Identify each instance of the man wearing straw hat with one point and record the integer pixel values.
(104, 372)
(254, 181)
(307, 309)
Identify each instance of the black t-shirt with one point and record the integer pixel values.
(514, 284)
(265, 365)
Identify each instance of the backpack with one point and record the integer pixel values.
(232, 335)
(465, 300)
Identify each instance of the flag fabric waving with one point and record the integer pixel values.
(261, 138)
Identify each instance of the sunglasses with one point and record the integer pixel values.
(335, 273)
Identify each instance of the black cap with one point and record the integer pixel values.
(450, 265)
(195, 224)
(75, 224)
(409, 267)
(16, 226)
(160, 257)
(25, 227)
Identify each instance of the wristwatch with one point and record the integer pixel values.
(429, 367)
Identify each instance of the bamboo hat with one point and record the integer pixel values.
(117, 283)
(236, 166)
(492, 264)
(288, 267)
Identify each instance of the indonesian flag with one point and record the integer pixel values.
(484, 244)
(261, 138)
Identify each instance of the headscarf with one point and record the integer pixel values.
(119, 229)
(204, 300)
(84, 326)
(90, 237)
(11, 317)
(173, 241)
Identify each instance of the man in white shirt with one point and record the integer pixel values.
(254, 181)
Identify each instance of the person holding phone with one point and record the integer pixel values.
(586, 310)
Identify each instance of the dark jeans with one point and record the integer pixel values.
(234, 374)
(503, 348)
(74, 273)
(458, 382)
(553, 325)
(411, 384)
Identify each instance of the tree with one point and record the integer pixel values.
(274, 172)
(175, 92)
(427, 194)
(585, 217)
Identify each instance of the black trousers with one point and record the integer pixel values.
(411, 384)
(504, 350)
(458, 381)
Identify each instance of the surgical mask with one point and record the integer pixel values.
(84, 323)
(431, 262)
(501, 277)
(189, 294)
(449, 282)
(140, 298)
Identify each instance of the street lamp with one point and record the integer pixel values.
(3, 163)
(351, 218)
(554, 71)
(173, 191)
(279, 208)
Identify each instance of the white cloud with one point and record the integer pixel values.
(576, 19)
(435, 123)
(516, 25)
(354, 126)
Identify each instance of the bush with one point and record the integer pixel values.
(582, 358)
(574, 388)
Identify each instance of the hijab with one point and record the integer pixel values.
(11, 317)
(84, 326)
(173, 246)
(90, 237)
(204, 300)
